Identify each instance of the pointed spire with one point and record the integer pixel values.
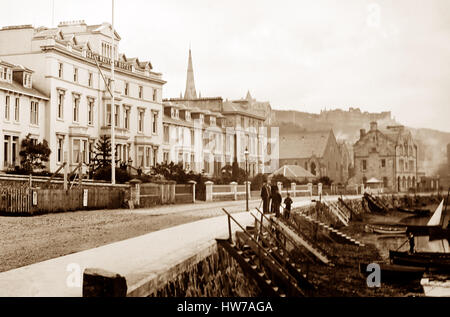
(248, 97)
(190, 92)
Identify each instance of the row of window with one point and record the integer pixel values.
(402, 166)
(83, 151)
(90, 82)
(90, 113)
(126, 118)
(34, 110)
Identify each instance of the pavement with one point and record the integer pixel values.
(137, 259)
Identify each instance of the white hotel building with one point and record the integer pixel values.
(74, 103)
(21, 109)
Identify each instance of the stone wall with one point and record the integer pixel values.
(218, 275)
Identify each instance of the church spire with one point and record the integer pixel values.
(190, 92)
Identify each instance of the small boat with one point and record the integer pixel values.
(373, 204)
(386, 228)
(437, 260)
(436, 286)
(394, 272)
(418, 212)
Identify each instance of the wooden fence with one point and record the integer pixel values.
(15, 200)
(25, 201)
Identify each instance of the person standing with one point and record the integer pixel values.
(288, 203)
(276, 202)
(265, 196)
(411, 243)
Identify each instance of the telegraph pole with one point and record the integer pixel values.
(113, 106)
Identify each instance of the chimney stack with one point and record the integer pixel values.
(373, 126)
(362, 132)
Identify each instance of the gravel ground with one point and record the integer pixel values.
(27, 240)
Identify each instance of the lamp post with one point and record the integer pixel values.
(246, 153)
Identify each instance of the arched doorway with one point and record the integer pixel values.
(404, 183)
(409, 183)
(414, 185)
(398, 184)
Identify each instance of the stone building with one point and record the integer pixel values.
(22, 112)
(242, 127)
(71, 62)
(318, 152)
(389, 156)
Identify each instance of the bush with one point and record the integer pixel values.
(258, 181)
(104, 174)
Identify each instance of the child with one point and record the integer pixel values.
(288, 202)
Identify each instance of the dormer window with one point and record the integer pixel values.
(5, 74)
(27, 80)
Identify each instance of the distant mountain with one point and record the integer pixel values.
(432, 144)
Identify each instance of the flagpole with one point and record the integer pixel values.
(113, 106)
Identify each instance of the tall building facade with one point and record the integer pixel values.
(389, 156)
(236, 126)
(71, 64)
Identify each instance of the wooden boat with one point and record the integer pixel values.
(436, 286)
(386, 228)
(394, 272)
(437, 260)
(373, 205)
(418, 212)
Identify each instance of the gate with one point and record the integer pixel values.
(15, 200)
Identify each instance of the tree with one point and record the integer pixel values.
(102, 151)
(34, 155)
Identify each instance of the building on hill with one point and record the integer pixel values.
(71, 62)
(317, 152)
(390, 156)
(243, 127)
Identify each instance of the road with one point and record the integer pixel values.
(27, 240)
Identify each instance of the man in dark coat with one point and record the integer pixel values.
(265, 196)
(276, 202)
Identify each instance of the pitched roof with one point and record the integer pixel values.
(293, 171)
(180, 122)
(304, 144)
(235, 107)
(14, 86)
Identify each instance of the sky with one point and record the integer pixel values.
(378, 55)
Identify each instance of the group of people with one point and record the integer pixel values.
(271, 200)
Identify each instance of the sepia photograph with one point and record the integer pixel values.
(240, 152)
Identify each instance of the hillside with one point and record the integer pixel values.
(432, 144)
